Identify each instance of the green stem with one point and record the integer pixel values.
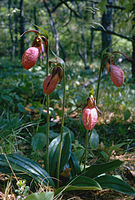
(99, 78)
(62, 124)
(48, 122)
(40, 116)
(86, 149)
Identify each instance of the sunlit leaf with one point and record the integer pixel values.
(41, 196)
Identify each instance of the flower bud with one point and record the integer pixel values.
(91, 101)
(117, 75)
(50, 83)
(89, 117)
(30, 57)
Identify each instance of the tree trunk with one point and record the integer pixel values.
(53, 27)
(35, 16)
(11, 31)
(22, 28)
(16, 28)
(55, 31)
(92, 36)
(83, 53)
(107, 24)
(133, 45)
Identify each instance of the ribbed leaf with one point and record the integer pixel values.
(22, 164)
(80, 183)
(95, 170)
(41, 196)
(54, 153)
(111, 182)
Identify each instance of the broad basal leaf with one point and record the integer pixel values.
(54, 153)
(111, 182)
(80, 183)
(74, 165)
(95, 170)
(25, 165)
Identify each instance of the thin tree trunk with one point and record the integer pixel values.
(55, 31)
(82, 51)
(35, 16)
(11, 31)
(92, 36)
(133, 45)
(16, 29)
(53, 27)
(107, 24)
(22, 28)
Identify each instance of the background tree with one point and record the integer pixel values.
(107, 24)
(22, 26)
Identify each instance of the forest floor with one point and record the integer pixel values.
(109, 128)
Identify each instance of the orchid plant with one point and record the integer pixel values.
(60, 162)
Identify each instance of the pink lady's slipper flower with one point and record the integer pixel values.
(30, 57)
(89, 117)
(117, 75)
(50, 83)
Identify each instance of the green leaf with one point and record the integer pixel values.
(27, 166)
(21, 107)
(54, 153)
(60, 93)
(104, 155)
(94, 139)
(41, 196)
(127, 114)
(111, 182)
(7, 98)
(115, 147)
(67, 130)
(44, 31)
(102, 4)
(38, 141)
(79, 183)
(96, 170)
(60, 60)
(74, 165)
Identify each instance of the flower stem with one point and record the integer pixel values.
(86, 149)
(99, 78)
(48, 123)
(62, 124)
